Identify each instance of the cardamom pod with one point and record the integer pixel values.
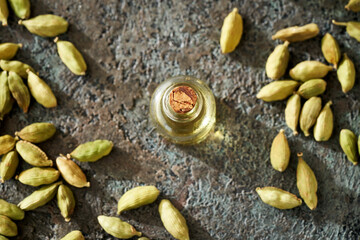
(231, 31)
(277, 90)
(8, 50)
(353, 5)
(92, 151)
(37, 132)
(41, 91)
(309, 114)
(6, 101)
(74, 235)
(117, 228)
(312, 88)
(7, 227)
(19, 91)
(330, 49)
(306, 183)
(71, 172)
(7, 143)
(324, 124)
(32, 154)
(21, 8)
(278, 61)
(292, 112)
(39, 197)
(296, 33)
(280, 152)
(4, 12)
(352, 28)
(66, 201)
(278, 198)
(348, 144)
(8, 165)
(346, 74)
(3, 238)
(307, 70)
(38, 176)
(47, 25)
(11, 210)
(142, 238)
(173, 221)
(137, 197)
(71, 57)
(16, 66)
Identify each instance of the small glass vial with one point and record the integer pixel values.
(183, 109)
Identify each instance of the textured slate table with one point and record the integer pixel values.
(132, 46)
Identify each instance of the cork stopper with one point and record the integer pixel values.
(182, 99)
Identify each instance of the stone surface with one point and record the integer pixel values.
(132, 46)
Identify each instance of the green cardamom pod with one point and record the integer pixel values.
(306, 183)
(137, 197)
(330, 49)
(280, 152)
(47, 25)
(278, 198)
(66, 201)
(71, 172)
(71, 57)
(39, 197)
(92, 151)
(16, 66)
(74, 235)
(348, 144)
(296, 33)
(312, 88)
(7, 143)
(173, 221)
(19, 91)
(21, 8)
(6, 100)
(4, 13)
(352, 28)
(142, 238)
(278, 61)
(308, 70)
(3, 238)
(231, 31)
(41, 91)
(346, 74)
(7, 227)
(11, 210)
(117, 228)
(353, 5)
(324, 124)
(38, 176)
(292, 112)
(309, 114)
(8, 50)
(32, 154)
(277, 90)
(8, 165)
(37, 132)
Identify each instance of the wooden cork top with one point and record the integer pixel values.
(182, 99)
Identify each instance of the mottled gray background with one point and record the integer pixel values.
(132, 46)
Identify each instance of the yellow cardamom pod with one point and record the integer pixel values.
(11, 210)
(6, 100)
(66, 201)
(280, 152)
(137, 197)
(16, 66)
(8, 50)
(4, 13)
(278, 61)
(307, 70)
(117, 228)
(7, 227)
(143, 238)
(41, 91)
(352, 28)
(74, 235)
(353, 5)
(277, 90)
(47, 25)
(330, 49)
(7, 143)
(32, 154)
(21, 8)
(38, 176)
(306, 183)
(19, 91)
(71, 57)
(278, 198)
(173, 221)
(292, 112)
(348, 144)
(346, 74)
(92, 151)
(231, 31)
(309, 114)
(324, 124)
(71, 172)
(296, 33)
(3, 238)
(37, 132)
(8, 165)
(312, 88)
